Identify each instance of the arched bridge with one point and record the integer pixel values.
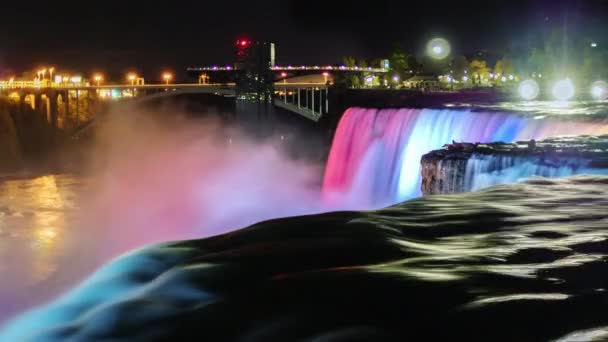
(69, 108)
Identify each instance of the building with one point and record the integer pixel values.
(253, 66)
(423, 82)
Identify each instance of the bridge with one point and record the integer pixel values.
(315, 68)
(69, 106)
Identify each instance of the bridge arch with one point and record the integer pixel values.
(30, 100)
(14, 98)
(62, 110)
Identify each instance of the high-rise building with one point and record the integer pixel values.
(254, 76)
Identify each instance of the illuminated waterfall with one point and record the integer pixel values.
(483, 171)
(375, 157)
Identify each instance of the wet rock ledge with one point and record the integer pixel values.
(461, 166)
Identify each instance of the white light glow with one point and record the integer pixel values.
(599, 90)
(528, 90)
(438, 48)
(563, 90)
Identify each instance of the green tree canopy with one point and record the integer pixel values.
(478, 70)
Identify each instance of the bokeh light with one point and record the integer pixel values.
(438, 48)
(599, 90)
(528, 90)
(563, 90)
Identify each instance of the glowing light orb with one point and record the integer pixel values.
(438, 48)
(599, 90)
(563, 90)
(528, 90)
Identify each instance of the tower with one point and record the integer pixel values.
(254, 77)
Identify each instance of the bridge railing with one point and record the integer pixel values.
(307, 99)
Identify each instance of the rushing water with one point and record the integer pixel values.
(375, 157)
(483, 171)
(524, 262)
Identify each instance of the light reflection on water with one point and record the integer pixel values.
(36, 217)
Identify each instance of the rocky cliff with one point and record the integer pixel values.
(461, 167)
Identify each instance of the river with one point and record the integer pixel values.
(39, 222)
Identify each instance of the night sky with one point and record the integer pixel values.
(116, 36)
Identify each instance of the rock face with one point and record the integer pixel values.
(492, 265)
(462, 167)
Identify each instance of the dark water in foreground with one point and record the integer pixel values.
(525, 262)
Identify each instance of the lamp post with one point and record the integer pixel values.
(132, 77)
(167, 77)
(98, 78)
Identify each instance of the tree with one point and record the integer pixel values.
(504, 66)
(478, 70)
(399, 63)
(350, 61)
(459, 65)
(414, 66)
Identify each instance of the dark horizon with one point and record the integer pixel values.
(116, 38)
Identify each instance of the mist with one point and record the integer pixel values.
(156, 175)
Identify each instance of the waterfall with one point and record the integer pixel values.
(375, 156)
(483, 171)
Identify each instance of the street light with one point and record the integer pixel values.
(529, 90)
(98, 78)
(325, 75)
(563, 90)
(167, 77)
(51, 71)
(438, 48)
(599, 90)
(132, 77)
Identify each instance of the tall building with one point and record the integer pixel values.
(254, 76)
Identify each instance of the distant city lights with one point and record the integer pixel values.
(528, 90)
(438, 48)
(563, 90)
(599, 90)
